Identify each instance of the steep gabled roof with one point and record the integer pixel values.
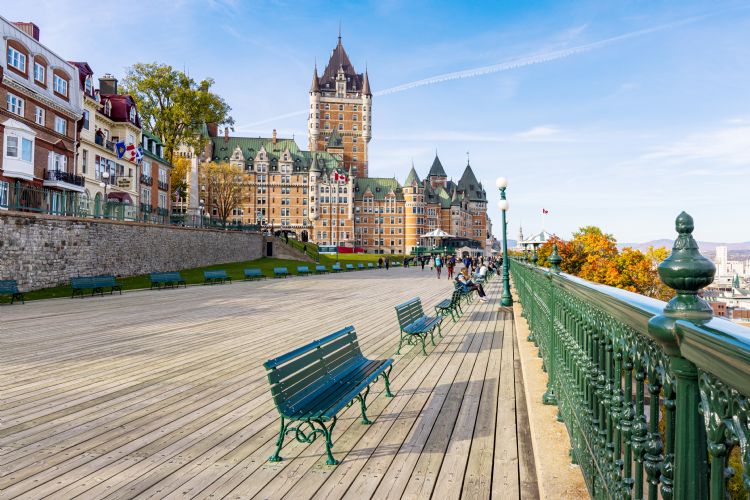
(470, 186)
(412, 177)
(315, 85)
(366, 85)
(339, 59)
(378, 186)
(335, 141)
(437, 170)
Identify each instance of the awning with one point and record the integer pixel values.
(120, 197)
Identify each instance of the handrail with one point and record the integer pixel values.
(654, 395)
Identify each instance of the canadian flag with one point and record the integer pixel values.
(336, 176)
(545, 211)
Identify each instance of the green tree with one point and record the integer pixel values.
(173, 105)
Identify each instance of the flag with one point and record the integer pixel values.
(545, 211)
(120, 148)
(336, 175)
(139, 154)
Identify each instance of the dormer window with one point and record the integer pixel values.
(17, 59)
(39, 71)
(60, 85)
(88, 87)
(132, 114)
(107, 108)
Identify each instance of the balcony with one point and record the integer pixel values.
(146, 180)
(164, 186)
(64, 180)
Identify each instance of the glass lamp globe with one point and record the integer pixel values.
(501, 182)
(503, 205)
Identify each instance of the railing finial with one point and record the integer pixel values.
(687, 271)
(554, 259)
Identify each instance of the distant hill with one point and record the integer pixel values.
(706, 247)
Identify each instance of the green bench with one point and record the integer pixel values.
(218, 276)
(252, 273)
(280, 272)
(415, 325)
(320, 269)
(303, 270)
(336, 268)
(466, 294)
(95, 284)
(369, 265)
(10, 287)
(450, 306)
(166, 279)
(312, 383)
(350, 267)
(360, 266)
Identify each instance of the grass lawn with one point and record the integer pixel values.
(234, 270)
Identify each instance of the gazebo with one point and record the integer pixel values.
(436, 234)
(535, 241)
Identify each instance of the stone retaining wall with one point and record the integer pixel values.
(41, 251)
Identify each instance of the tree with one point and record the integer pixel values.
(224, 184)
(174, 106)
(178, 176)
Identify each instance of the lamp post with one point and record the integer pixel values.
(506, 299)
(103, 184)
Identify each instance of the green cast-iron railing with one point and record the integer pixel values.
(654, 395)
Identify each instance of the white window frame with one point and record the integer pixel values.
(39, 70)
(60, 85)
(39, 115)
(15, 104)
(16, 55)
(61, 125)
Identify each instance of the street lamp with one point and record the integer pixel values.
(201, 208)
(103, 184)
(506, 299)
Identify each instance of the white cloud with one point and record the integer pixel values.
(541, 132)
(722, 147)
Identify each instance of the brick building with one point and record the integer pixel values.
(37, 124)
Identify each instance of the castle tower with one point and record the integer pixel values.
(341, 101)
(413, 210)
(437, 175)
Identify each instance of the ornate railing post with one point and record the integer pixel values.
(686, 271)
(552, 339)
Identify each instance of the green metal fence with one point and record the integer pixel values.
(654, 395)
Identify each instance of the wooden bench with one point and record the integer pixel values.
(450, 306)
(466, 294)
(95, 284)
(303, 270)
(415, 325)
(321, 269)
(280, 272)
(350, 267)
(218, 276)
(252, 273)
(360, 266)
(10, 287)
(167, 279)
(336, 268)
(311, 384)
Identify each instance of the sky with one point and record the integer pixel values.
(618, 114)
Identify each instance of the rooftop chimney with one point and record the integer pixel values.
(213, 129)
(108, 85)
(274, 136)
(30, 29)
(226, 134)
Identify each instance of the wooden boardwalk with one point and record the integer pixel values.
(160, 394)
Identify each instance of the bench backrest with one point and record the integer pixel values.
(166, 276)
(303, 269)
(93, 281)
(219, 274)
(8, 286)
(456, 297)
(336, 267)
(349, 266)
(280, 270)
(299, 374)
(252, 272)
(360, 266)
(369, 264)
(408, 312)
(320, 268)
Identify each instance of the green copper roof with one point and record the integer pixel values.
(470, 186)
(147, 152)
(437, 170)
(412, 177)
(379, 186)
(335, 141)
(302, 160)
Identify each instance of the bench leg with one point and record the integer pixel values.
(400, 341)
(363, 404)
(279, 443)
(423, 338)
(327, 433)
(387, 380)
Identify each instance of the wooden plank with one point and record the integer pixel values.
(529, 489)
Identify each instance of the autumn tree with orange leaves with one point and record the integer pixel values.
(593, 255)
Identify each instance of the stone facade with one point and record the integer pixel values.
(42, 251)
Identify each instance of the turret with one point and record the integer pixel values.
(313, 121)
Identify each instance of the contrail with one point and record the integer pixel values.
(506, 66)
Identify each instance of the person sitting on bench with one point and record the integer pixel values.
(470, 285)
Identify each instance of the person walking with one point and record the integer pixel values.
(451, 265)
(387, 263)
(421, 261)
(380, 263)
(438, 265)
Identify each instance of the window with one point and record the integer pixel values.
(38, 72)
(60, 85)
(341, 126)
(57, 162)
(328, 116)
(15, 104)
(354, 118)
(341, 116)
(341, 107)
(88, 86)
(17, 59)
(26, 149)
(84, 161)
(132, 115)
(11, 147)
(39, 116)
(61, 125)
(163, 176)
